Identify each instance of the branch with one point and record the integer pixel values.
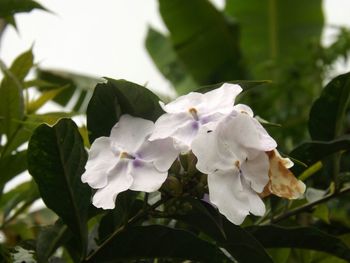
(308, 206)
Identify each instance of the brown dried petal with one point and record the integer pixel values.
(282, 182)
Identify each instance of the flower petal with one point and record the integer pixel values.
(167, 124)
(231, 200)
(119, 180)
(161, 153)
(101, 159)
(256, 171)
(146, 177)
(282, 181)
(246, 131)
(130, 132)
(210, 155)
(183, 103)
(221, 99)
(242, 108)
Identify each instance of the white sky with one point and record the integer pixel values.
(105, 37)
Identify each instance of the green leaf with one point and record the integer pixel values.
(11, 103)
(206, 43)
(22, 65)
(268, 27)
(126, 207)
(30, 123)
(45, 97)
(24, 194)
(314, 151)
(11, 7)
(165, 58)
(116, 97)
(238, 242)
(328, 111)
(300, 237)
(155, 241)
(49, 239)
(12, 165)
(78, 88)
(56, 160)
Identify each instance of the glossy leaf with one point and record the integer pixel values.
(165, 58)
(116, 97)
(245, 84)
(268, 27)
(155, 241)
(237, 241)
(206, 43)
(313, 151)
(327, 112)
(300, 237)
(56, 160)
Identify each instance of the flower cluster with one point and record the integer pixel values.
(231, 147)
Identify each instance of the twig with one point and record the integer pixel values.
(299, 209)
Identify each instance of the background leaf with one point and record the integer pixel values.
(206, 43)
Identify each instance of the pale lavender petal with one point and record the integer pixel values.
(226, 195)
(220, 99)
(242, 108)
(167, 125)
(210, 155)
(161, 153)
(130, 132)
(119, 180)
(101, 159)
(183, 103)
(256, 171)
(146, 177)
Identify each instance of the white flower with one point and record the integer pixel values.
(233, 155)
(188, 113)
(127, 160)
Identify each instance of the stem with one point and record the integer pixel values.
(131, 221)
(308, 206)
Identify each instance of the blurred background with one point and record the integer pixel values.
(106, 38)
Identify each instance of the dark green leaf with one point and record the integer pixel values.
(269, 27)
(311, 152)
(49, 239)
(205, 41)
(56, 160)
(165, 58)
(300, 237)
(157, 241)
(11, 7)
(116, 97)
(327, 112)
(238, 242)
(126, 207)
